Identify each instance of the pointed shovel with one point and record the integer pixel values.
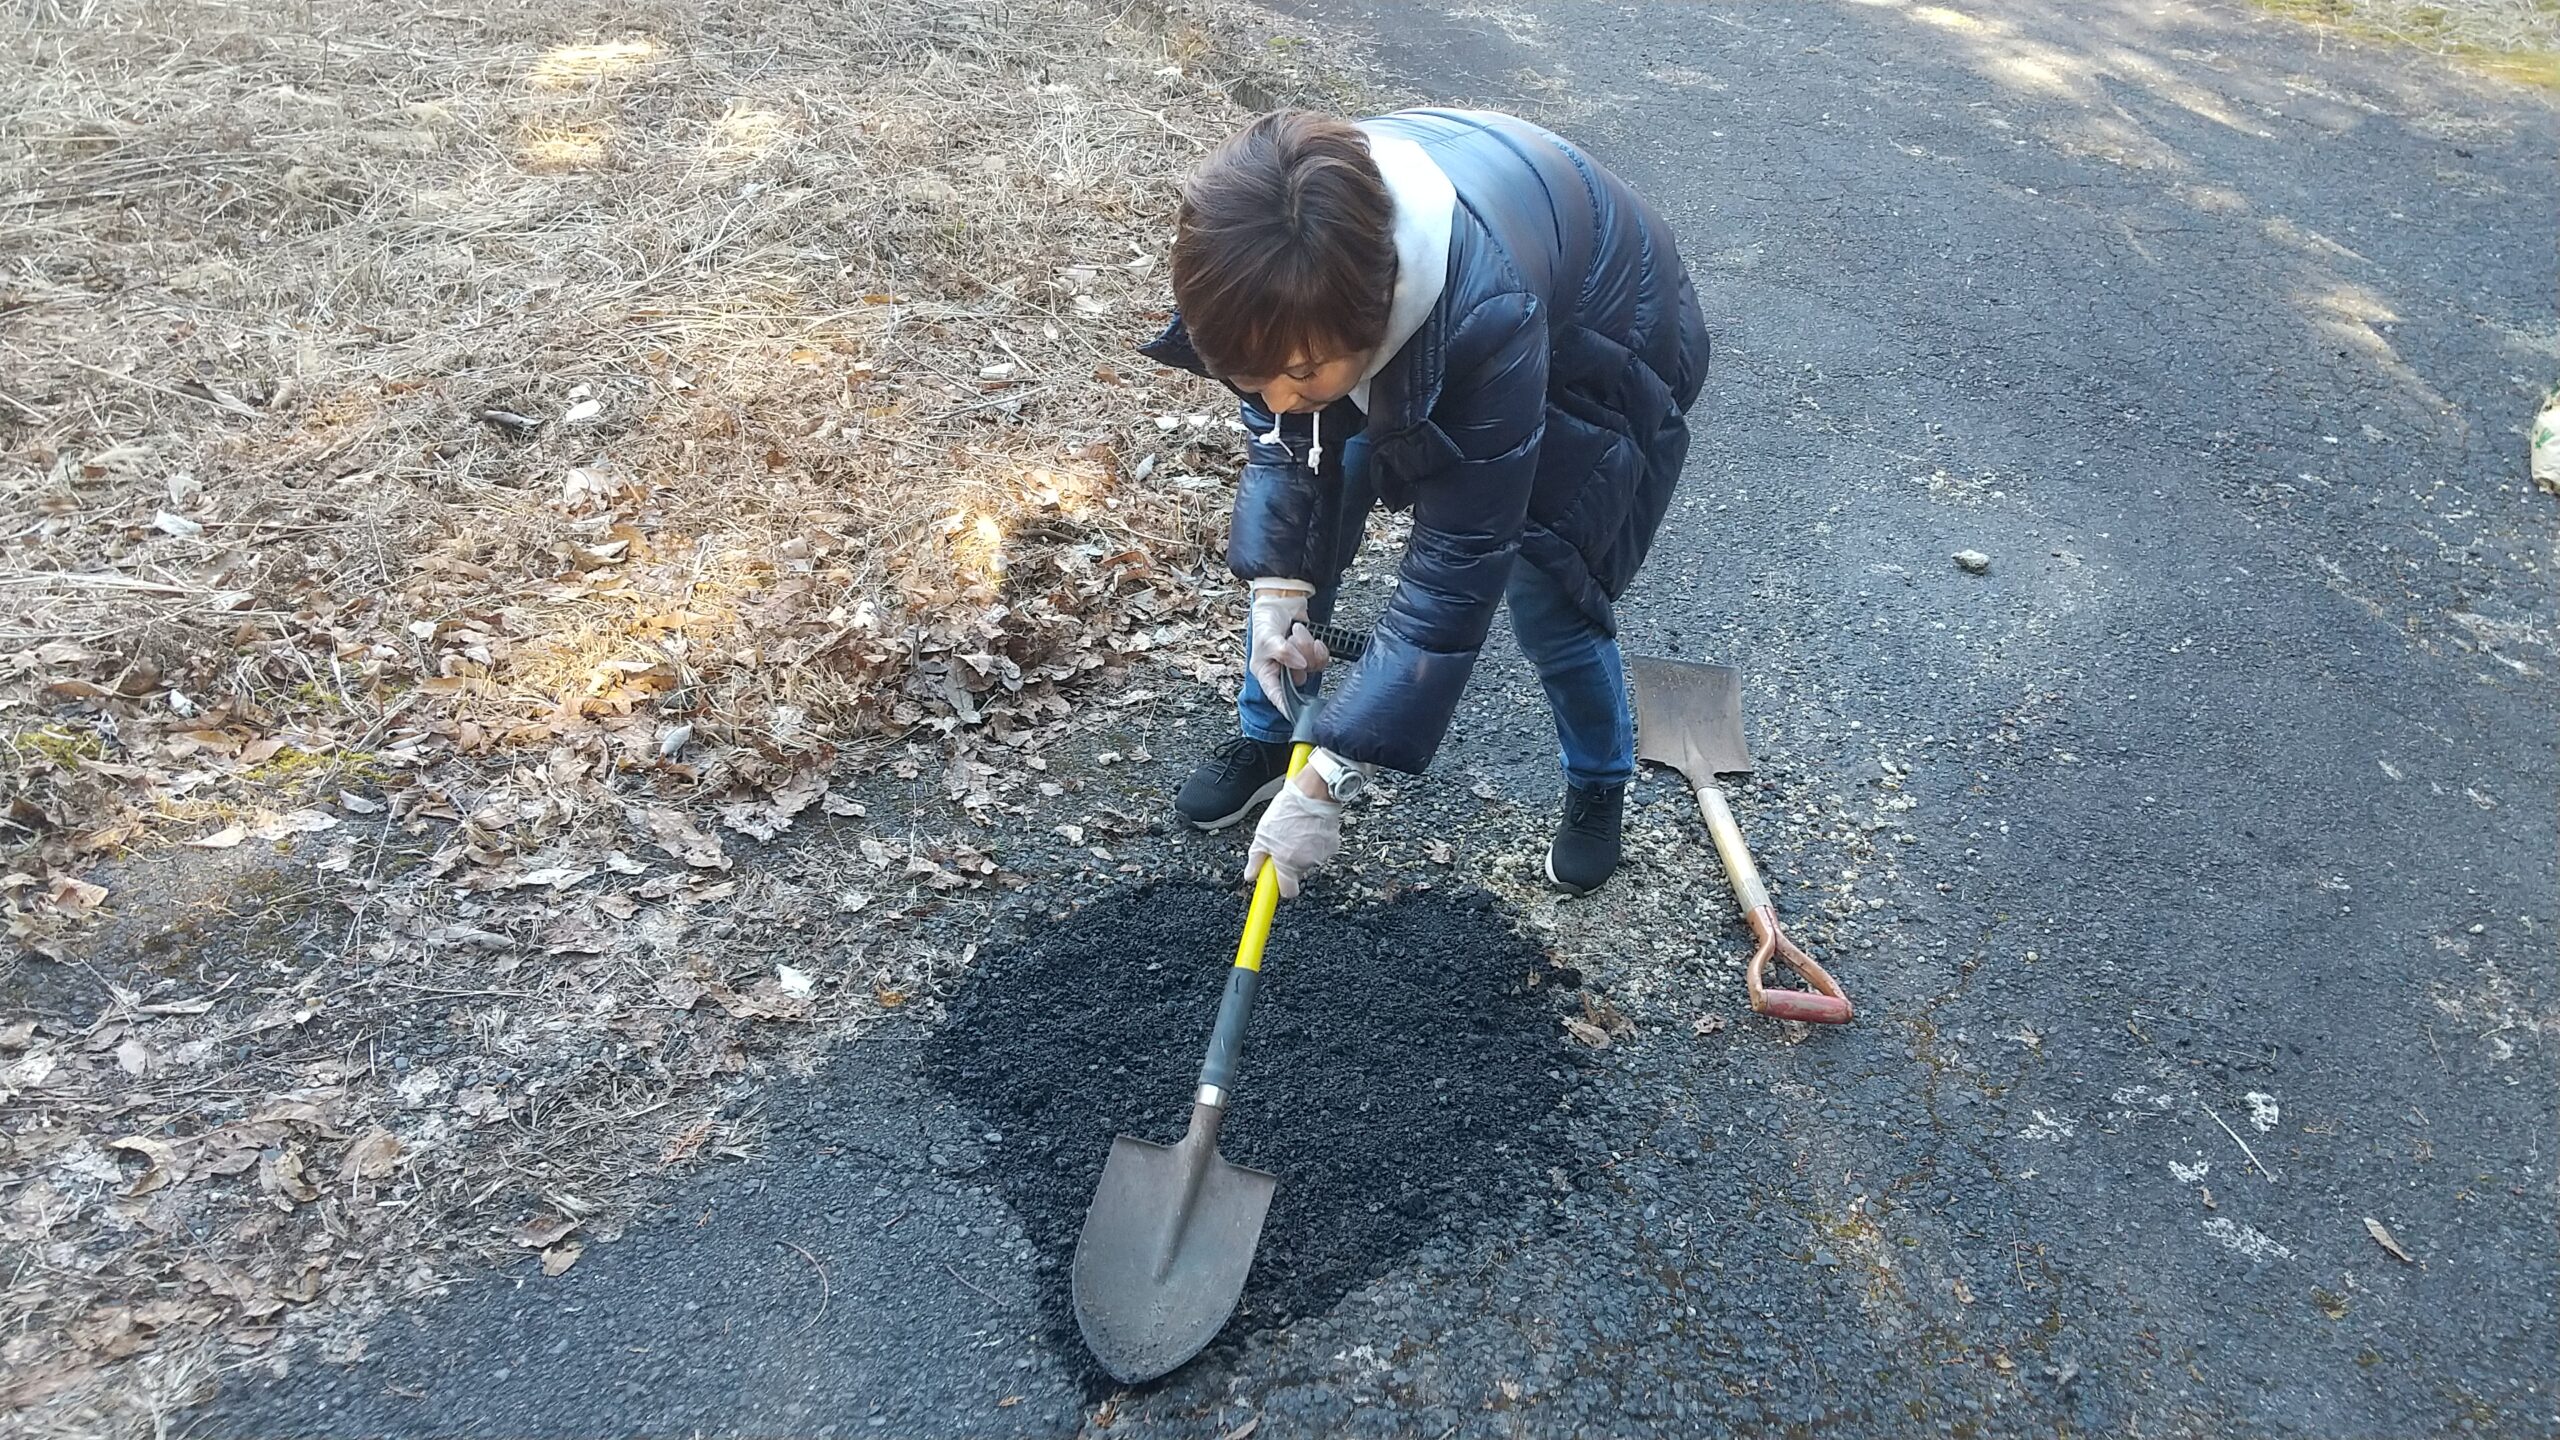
(1172, 1229)
(1689, 717)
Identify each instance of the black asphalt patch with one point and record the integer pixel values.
(1401, 1076)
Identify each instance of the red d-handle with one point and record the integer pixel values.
(1805, 1005)
(1824, 1004)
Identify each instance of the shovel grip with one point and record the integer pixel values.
(1226, 1040)
(1743, 875)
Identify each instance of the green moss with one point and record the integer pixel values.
(65, 749)
(2430, 27)
(2538, 68)
(296, 769)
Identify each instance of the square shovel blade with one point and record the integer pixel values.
(1689, 717)
(1162, 1260)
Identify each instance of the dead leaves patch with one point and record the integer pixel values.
(1601, 1024)
(493, 670)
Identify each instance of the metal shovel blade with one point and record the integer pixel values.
(1689, 717)
(1166, 1245)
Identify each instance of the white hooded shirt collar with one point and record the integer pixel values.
(1426, 205)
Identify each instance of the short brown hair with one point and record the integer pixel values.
(1284, 247)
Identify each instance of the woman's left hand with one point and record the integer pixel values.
(1299, 834)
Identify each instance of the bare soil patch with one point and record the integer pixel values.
(1402, 1077)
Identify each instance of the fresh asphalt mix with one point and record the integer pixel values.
(2223, 925)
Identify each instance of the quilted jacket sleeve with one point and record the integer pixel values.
(1469, 510)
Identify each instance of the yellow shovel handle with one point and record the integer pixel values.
(1266, 889)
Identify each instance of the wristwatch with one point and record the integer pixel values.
(1342, 779)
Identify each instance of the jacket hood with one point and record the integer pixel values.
(1425, 204)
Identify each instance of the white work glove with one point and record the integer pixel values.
(1299, 835)
(1284, 653)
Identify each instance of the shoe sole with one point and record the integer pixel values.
(1270, 788)
(1559, 884)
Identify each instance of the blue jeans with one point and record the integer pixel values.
(1578, 666)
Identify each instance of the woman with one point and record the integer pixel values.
(1461, 314)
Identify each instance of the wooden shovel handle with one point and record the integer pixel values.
(1824, 1004)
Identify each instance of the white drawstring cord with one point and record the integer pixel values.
(1315, 438)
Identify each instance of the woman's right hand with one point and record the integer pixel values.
(1285, 652)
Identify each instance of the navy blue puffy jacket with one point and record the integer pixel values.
(1539, 415)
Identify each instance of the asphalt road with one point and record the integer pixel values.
(2203, 849)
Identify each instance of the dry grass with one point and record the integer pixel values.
(2516, 39)
(559, 436)
(412, 381)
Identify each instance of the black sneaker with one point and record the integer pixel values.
(1585, 850)
(1242, 773)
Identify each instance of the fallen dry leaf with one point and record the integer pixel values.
(222, 839)
(556, 877)
(768, 817)
(282, 1175)
(304, 1286)
(681, 838)
(222, 1280)
(2383, 1237)
(681, 991)
(73, 896)
(559, 1258)
(299, 1110)
(166, 1166)
(371, 1157)
(293, 822)
(543, 1231)
(1586, 1032)
(1605, 1015)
